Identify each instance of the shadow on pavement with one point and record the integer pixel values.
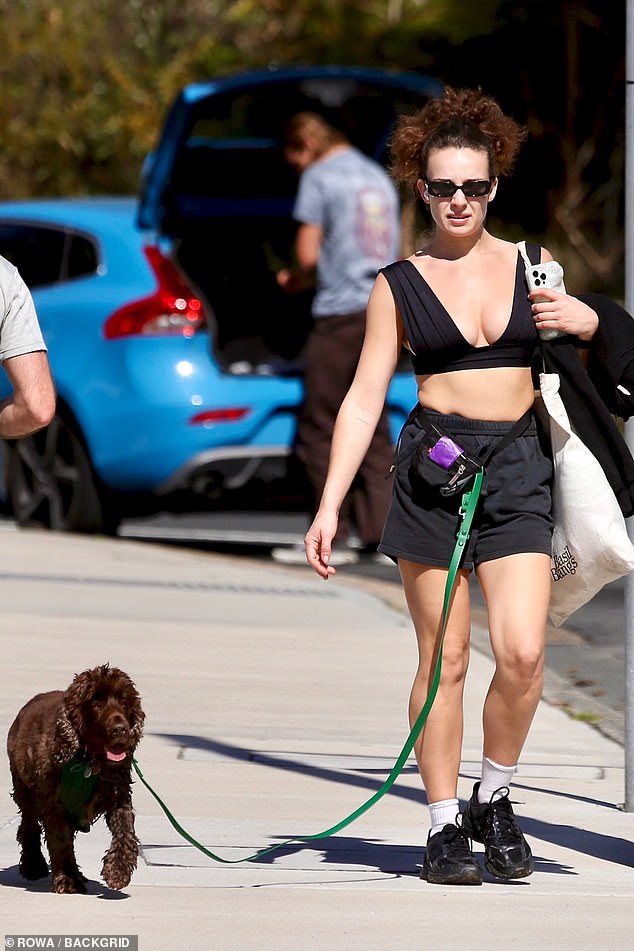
(605, 847)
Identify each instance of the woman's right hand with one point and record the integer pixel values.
(318, 544)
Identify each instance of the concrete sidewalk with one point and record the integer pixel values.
(275, 706)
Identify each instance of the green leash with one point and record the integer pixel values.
(468, 506)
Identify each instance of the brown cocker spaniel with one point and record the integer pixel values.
(70, 754)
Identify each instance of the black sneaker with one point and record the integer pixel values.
(449, 860)
(507, 853)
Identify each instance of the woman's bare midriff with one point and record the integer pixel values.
(502, 394)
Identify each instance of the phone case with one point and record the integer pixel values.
(549, 274)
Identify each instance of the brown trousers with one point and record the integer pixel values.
(332, 354)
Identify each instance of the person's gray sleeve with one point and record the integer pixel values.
(309, 205)
(19, 327)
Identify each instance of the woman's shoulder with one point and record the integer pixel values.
(534, 250)
(396, 266)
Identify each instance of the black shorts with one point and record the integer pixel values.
(514, 511)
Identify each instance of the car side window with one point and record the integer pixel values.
(36, 252)
(81, 257)
(46, 255)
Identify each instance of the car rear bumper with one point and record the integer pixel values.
(227, 467)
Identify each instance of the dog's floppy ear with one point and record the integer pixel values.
(66, 739)
(137, 721)
(68, 726)
(131, 701)
(134, 711)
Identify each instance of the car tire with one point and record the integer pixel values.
(51, 483)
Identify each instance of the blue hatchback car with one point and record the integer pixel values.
(176, 357)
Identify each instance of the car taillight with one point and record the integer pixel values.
(173, 309)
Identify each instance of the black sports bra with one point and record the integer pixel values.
(437, 344)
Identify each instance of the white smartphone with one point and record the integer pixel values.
(549, 274)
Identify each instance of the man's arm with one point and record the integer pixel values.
(32, 404)
(307, 248)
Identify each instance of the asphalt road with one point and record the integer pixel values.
(585, 659)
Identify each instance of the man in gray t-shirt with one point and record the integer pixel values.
(353, 202)
(24, 359)
(347, 211)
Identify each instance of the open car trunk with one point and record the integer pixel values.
(219, 188)
(232, 261)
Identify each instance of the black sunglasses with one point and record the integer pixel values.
(445, 188)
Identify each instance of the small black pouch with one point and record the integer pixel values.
(441, 462)
(437, 459)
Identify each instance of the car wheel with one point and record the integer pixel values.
(50, 481)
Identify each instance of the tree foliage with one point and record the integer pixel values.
(560, 69)
(86, 84)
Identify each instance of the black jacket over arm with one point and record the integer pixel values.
(591, 398)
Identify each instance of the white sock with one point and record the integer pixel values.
(443, 813)
(495, 780)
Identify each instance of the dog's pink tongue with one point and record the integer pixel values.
(115, 757)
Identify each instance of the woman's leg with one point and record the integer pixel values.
(439, 747)
(448, 858)
(516, 590)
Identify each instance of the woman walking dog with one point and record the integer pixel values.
(460, 305)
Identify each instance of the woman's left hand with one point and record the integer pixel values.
(564, 313)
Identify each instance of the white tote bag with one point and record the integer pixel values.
(591, 545)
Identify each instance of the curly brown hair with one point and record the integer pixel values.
(462, 118)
